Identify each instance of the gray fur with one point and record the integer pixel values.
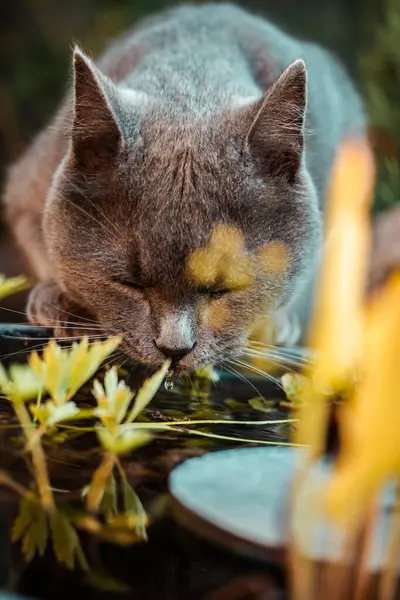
(186, 123)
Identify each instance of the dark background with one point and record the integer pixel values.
(35, 51)
(36, 37)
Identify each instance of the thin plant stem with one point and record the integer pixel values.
(38, 403)
(335, 581)
(237, 439)
(188, 422)
(389, 576)
(7, 480)
(301, 568)
(38, 458)
(36, 437)
(302, 575)
(99, 482)
(362, 576)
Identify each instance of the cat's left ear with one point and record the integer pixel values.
(96, 135)
(275, 137)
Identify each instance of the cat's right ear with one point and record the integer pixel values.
(275, 137)
(96, 135)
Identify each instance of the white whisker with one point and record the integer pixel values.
(244, 364)
(278, 351)
(282, 362)
(242, 377)
(89, 326)
(58, 338)
(71, 314)
(97, 208)
(283, 365)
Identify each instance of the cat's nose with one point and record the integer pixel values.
(175, 354)
(176, 335)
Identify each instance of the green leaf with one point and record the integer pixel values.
(208, 373)
(147, 391)
(120, 535)
(66, 542)
(296, 386)
(109, 502)
(235, 404)
(20, 383)
(24, 518)
(80, 556)
(36, 536)
(126, 439)
(31, 526)
(262, 404)
(42, 533)
(121, 529)
(28, 546)
(12, 285)
(132, 504)
(63, 413)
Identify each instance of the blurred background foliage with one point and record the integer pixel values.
(35, 50)
(380, 74)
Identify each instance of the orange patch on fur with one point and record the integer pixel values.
(274, 258)
(217, 315)
(222, 261)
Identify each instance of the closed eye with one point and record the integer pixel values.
(128, 283)
(214, 293)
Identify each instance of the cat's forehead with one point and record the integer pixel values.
(184, 147)
(186, 189)
(188, 184)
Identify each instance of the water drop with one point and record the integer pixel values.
(169, 380)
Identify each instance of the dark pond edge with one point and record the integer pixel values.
(209, 532)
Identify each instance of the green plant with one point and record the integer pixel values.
(12, 285)
(381, 74)
(43, 393)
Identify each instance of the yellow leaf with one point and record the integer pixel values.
(133, 506)
(261, 404)
(370, 448)
(20, 383)
(64, 371)
(87, 360)
(114, 400)
(27, 510)
(31, 527)
(297, 387)
(62, 413)
(66, 542)
(335, 334)
(109, 502)
(208, 373)
(148, 391)
(125, 439)
(12, 285)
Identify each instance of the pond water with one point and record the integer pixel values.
(173, 564)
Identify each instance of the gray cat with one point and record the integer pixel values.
(196, 150)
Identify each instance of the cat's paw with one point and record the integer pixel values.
(48, 306)
(385, 251)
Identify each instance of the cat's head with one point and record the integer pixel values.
(178, 232)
